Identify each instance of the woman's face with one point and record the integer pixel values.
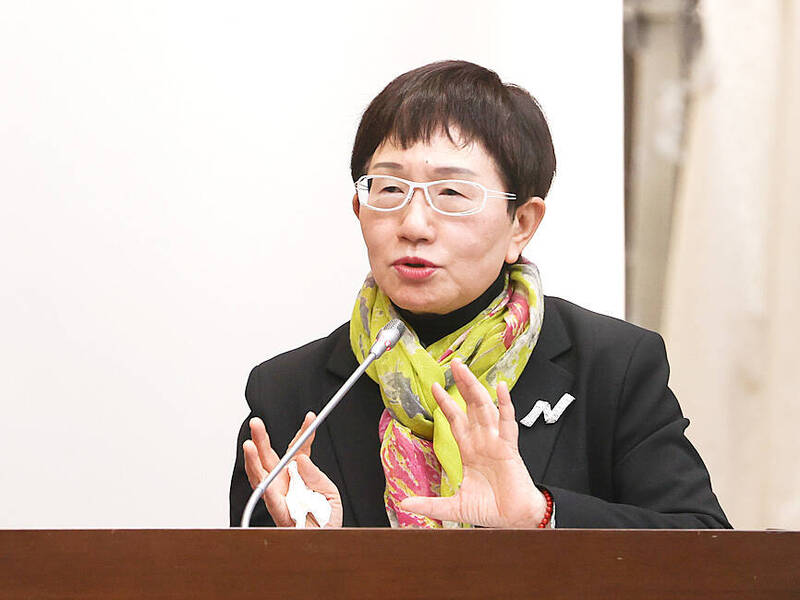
(462, 255)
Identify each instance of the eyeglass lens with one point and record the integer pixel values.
(448, 196)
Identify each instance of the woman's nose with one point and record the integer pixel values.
(416, 219)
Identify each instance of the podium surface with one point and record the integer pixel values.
(385, 563)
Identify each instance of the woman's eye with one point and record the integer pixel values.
(391, 189)
(450, 192)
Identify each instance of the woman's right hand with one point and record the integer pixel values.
(260, 459)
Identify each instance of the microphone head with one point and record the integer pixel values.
(392, 332)
(388, 337)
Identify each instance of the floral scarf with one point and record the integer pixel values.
(419, 454)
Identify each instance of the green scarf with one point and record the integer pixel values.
(495, 345)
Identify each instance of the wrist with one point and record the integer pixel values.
(546, 520)
(530, 512)
(541, 514)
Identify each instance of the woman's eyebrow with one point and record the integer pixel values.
(452, 170)
(437, 170)
(387, 165)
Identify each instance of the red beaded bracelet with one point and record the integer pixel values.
(548, 511)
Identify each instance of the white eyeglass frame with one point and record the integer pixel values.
(413, 185)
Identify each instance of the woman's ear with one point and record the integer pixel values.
(356, 205)
(526, 221)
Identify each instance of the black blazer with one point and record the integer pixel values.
(617, 457)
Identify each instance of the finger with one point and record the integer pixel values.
(507, 424)
(252, 464)
(306, 447)
(480, 408)
(314, 478)
(269, 458)
(276, 505)
(452, 411)
(275, 499)
(443, 509)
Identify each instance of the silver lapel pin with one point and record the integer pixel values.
(551, 414)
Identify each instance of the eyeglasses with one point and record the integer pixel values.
(453, 197)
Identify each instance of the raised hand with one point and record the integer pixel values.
(496, 490)
(260, 459)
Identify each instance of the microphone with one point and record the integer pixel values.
(386, 339)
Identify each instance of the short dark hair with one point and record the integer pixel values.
(504, 118)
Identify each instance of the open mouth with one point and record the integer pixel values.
(414, 268)
(415, 262)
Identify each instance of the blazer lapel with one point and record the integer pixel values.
(542, 379)
(353, 429)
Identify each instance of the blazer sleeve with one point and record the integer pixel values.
(659, 479)
(240, 486)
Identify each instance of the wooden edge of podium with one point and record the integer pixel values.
(366, 563)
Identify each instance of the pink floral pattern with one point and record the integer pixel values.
(411, 469)
(517, 317)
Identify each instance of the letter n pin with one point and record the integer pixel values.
(551, 414)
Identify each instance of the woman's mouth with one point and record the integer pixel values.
(414, 268)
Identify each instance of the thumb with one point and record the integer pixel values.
(442, 509)
(314, 478)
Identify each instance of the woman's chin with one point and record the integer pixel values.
(417, 305)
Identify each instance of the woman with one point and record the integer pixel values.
(451, 168)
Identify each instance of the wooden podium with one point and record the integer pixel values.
(382, 563)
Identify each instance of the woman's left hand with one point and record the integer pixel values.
(496, 490)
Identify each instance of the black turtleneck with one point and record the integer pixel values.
(432, 327)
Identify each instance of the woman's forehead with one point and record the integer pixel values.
(437, 156)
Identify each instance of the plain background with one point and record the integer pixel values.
(175, 208)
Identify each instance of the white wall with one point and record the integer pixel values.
(152, 249)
